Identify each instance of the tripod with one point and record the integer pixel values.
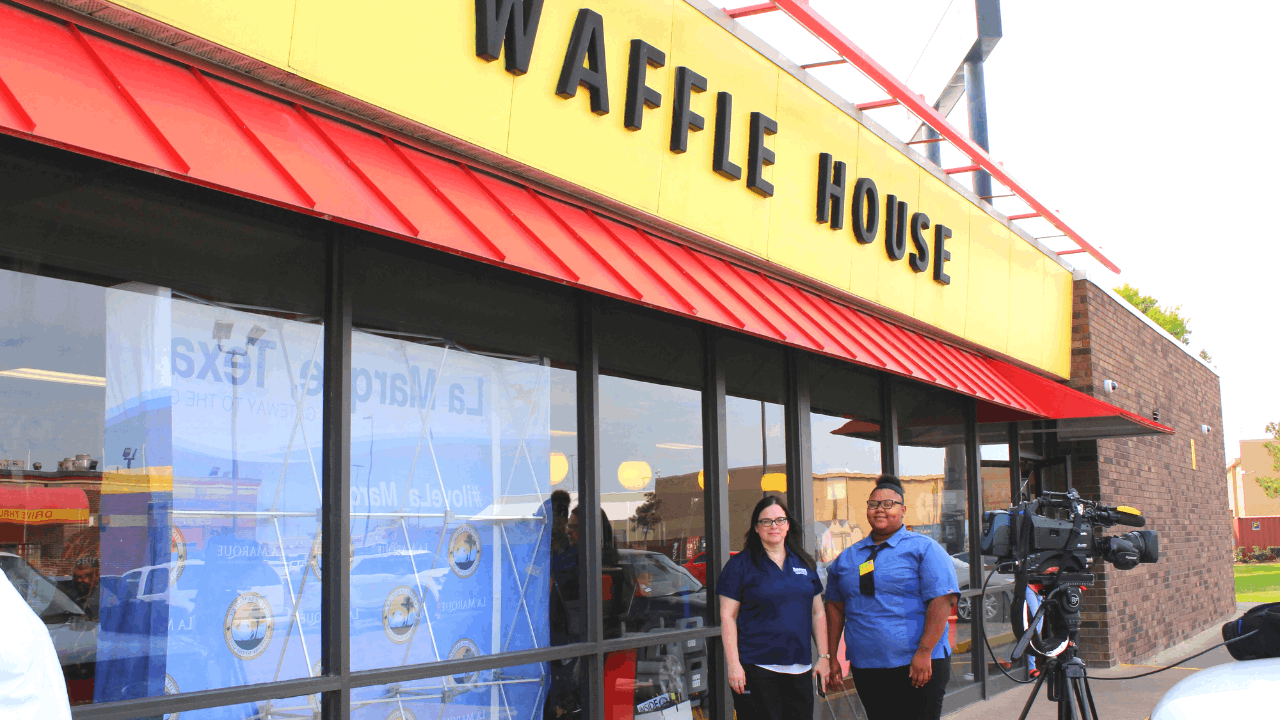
(1068, 680)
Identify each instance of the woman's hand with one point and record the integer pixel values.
(835, 683)
(737, 677)
(822, 669)
(921, 668)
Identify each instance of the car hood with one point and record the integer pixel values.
(1249, 688)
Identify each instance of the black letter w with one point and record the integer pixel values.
(516, 22)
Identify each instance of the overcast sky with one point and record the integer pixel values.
(1111, 113)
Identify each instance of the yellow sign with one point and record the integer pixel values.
(43, 516)
(610, 94)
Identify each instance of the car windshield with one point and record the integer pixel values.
(43, 597)
(660, 574)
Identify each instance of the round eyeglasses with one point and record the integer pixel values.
(766, 522)
(886, 504)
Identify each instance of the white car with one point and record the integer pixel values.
(1247, 689)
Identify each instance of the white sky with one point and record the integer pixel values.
(1109, 112)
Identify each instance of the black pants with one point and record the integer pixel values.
(887, 694)
(774, 696)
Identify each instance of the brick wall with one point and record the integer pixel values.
(1130, 615)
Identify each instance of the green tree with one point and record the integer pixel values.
(648, 515)
(1271, 485)
(1166, 317)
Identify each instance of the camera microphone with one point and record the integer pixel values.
(1122, 515)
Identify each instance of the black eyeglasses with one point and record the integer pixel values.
(886, 504)
(780, 522)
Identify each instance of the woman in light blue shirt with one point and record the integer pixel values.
(891, 594)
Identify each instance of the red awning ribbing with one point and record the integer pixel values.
(86, 90)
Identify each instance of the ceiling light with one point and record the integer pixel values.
(678, 446)
(563, 433)
(53, 376)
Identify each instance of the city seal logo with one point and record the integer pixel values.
(248, 626)
(401, 714)
(464, 551)
(171, 688)
(400, 614)
(178, 547)
(462, 650)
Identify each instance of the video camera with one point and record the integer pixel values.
(1052, 555)
(1025, 535)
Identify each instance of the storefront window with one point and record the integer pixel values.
(496, 694)
(755, 380)
(158, 502)
(651, 492)
(658, 681)
(845, 430)
(463, 539)
(998, 598)
(931, 457)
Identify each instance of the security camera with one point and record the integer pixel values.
(1206, 429)
(1109, 386)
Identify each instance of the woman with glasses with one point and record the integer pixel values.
(770, 605)
(891, 594)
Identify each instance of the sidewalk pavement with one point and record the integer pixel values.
(1116, 699)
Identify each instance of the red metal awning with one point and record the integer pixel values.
(88, 89)
(26, 505)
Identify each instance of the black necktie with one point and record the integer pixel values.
(867, 580)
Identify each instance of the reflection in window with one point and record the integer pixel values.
(451, 503)
(933, 470)
(845, 430)
(757, 460)
(998, 599)
(658, 681)
(651, 494)
(160, 486)
(497, 694)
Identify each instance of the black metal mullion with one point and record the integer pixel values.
(335, 611)
(591, 535)
(888, 426)
(201, 699)
(799, 452)
(973, 468)
(715, 468)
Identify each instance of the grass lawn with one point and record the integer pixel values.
(1258, 583)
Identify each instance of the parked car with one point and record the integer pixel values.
(1246, 689)
(698, 566)
(999, 598)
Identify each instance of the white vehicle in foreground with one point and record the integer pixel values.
(1245, 689)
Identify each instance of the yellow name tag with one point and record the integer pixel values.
(866, 567)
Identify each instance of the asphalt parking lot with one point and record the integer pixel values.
(1116, 699)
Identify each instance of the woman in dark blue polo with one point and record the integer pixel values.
(770, 605)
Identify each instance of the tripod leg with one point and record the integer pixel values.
(1088, 693)
(1034, 692)
(1066, 711)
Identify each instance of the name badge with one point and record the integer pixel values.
(800, 571)
(866, 567)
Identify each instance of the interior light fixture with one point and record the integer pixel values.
(563, 433)
(678, 446)
(54, 376)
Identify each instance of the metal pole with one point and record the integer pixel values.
(715, 473)
(335, 611)
(978, 603)
(975, 88)
(591, 528)
(888, 427)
